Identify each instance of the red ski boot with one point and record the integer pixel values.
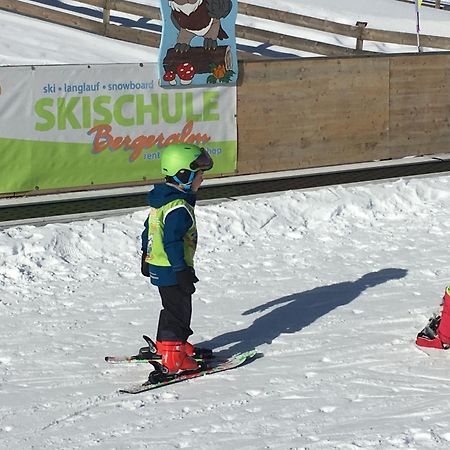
(175, 358)
(436, 334)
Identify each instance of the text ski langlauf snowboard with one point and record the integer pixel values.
(211, 367)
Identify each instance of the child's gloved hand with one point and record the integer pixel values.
(186, 279)
(145, 270)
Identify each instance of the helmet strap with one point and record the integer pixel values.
(187, 185)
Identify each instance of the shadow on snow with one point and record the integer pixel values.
(294, 312)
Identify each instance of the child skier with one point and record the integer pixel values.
(437, 333)
(169, 241)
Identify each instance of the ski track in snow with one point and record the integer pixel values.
(330, 285)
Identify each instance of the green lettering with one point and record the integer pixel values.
(104, 115)
(190, 115)
(65, 113)
(86, 105)
(41, 111)
(210, 104)
(165, 107)
(142, 109)
(118, 113)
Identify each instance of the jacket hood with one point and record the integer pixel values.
(161, 194)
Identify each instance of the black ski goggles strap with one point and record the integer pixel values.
(203, 162)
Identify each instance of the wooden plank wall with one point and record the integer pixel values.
(420, 105)
(318, 112)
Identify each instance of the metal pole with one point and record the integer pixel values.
(419, 48)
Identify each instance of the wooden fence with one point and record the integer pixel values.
(311, 112)
(438, 4)
(360, 32)
(314, 112)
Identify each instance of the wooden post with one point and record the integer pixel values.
(106, 15)
(359, 39)
(437, 4)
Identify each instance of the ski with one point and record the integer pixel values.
(210, 367)
(131, 359)
(145, 354)
(140, 358)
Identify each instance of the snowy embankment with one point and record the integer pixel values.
(64, 45)
(330, 285)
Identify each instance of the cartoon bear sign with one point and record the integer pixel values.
(198, 43)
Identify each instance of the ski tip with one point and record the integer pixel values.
(250, 353)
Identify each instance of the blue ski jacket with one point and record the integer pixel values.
(176, 224)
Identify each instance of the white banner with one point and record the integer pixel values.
(66, 112)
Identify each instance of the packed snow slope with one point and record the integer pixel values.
(31, 41)
(330, 285)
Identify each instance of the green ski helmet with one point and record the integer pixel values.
(182, 158)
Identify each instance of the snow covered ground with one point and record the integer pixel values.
(44, 43)
(330, 285)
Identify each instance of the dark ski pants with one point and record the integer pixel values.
(175, 317)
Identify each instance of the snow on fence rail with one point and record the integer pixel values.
(438, 4)
(144, 37)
